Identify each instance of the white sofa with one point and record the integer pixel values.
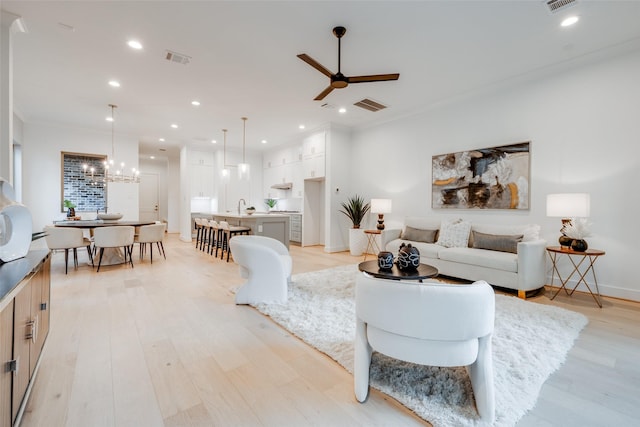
(524, 270)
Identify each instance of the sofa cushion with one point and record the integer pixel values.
(529, 231)
(454, 233)
(419, 235)
(495, 242)
(490, 259)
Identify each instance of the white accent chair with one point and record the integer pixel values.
(68, 238)
(266, 264)
(120, 236)
(432, 324)
(148, 235)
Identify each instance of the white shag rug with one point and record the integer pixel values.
(530, 342)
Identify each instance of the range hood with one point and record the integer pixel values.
(283, 186)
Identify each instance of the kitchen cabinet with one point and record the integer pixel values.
(201, 158)
(24, 325)
(201, 180)
(313, 156)
(314, 166)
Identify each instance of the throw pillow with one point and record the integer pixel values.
(495, 242)
(454, 233)
(418, 235)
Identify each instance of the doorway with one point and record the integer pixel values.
(148, 197)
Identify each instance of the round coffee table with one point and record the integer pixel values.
(423, 271)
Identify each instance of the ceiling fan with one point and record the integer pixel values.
(339, 80)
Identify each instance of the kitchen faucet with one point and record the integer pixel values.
(245, 204)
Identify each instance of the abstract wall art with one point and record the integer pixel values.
(486, 178)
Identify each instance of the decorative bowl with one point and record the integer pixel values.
(249, 211)
(110, 217)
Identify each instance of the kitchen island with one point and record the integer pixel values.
(262, 224)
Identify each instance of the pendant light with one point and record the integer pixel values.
(244, 170)
(225, 173)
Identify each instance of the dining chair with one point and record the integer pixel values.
(148, 235)
(114, 237)
(68, 238)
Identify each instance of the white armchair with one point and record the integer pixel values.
(266, 264)
(430, 324)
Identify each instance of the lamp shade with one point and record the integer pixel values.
(382, 206)
(568, 205)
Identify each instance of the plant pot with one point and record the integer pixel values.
(357, 241)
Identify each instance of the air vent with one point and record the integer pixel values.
(180, 58)
(370, 105)
(555, 6)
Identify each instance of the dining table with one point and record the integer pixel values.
(111, 256)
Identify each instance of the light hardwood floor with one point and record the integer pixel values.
(165, 345)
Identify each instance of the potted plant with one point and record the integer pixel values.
(271, 203)
(355, 209)
(71, 208)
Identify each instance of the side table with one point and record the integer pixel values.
(371, 242)
(590, 254)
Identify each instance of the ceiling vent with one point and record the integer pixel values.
(370, 105)
(555, 6)
(180, 58)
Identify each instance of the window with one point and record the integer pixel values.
(80, 185)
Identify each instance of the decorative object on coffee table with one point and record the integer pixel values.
(568, 206)
(408, 257)
(385, 260)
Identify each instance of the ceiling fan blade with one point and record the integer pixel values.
(373, 78)
(315, 64)
(324, 93)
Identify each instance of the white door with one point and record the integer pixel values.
(148, 197)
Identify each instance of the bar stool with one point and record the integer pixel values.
(214, 237)
(199, 229)
(227, 232)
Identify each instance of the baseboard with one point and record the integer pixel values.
(606, 290)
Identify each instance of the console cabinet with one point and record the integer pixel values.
(24, 325)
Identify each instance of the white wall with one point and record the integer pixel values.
(42, 147)
(584, 128)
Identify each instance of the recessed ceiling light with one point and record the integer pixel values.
(161, 139)
(213, 141)
(134, 44)
(196, 103)
(264, 141)
(175, 126)
(114, 83)
(109, 119)
(342, 110)
(301, 127)
(569, 21)
(152, 157)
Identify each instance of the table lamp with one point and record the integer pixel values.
(381, 207)
(568, 206)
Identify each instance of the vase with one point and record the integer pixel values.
(357, 241)
(71, 212)
(565, 242)
(579, 245)
(408, 257)
(385, 260)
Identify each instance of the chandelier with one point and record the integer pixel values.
(114, 171)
